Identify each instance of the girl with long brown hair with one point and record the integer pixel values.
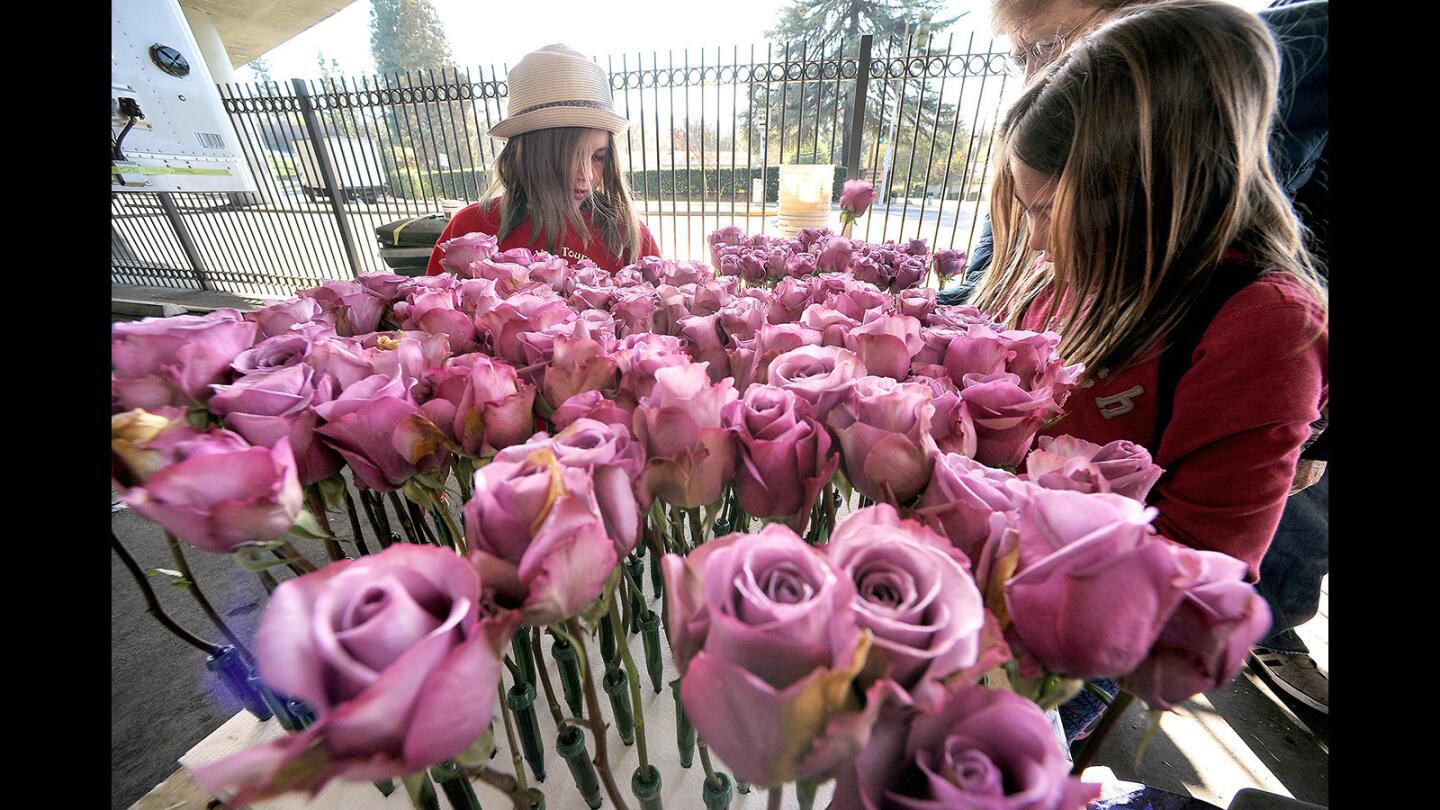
(1136, 212)
(557, 184)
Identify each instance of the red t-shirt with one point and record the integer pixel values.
(1239, 417)
(486, 219)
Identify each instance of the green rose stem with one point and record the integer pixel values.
(697, 532)
(375, 510)
(417, 517)
(457, 532)
(592, 701)
(564, 655)
(805, 793)
(715, 791)
(520, 644)
(421, 792)
(637, 708)
(677, 531)
(635, 571)
(316, 504)
(451, 779)
(626, 613)
(194, 588)
(650, 635)
(152, 605)
(544, 673)
(298, 562)
(684, 729)
(657, 578)
(1090, 746)
(267, 580)
(404, 517)
(355, 522)
(521, 701)
(515, 757)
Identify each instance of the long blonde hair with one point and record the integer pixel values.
(1156, 129)
(534, 174)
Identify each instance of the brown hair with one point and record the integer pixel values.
(534, 174)
(1156, 129)
(1008, 13)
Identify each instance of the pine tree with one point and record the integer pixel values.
(831, 29)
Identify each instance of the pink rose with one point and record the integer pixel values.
(223, 494)
(885, 343)
(269, 406)
(173, 361)
(785, 455)
(961, 497)
(462, 251)
(767, 648)
(885, 442)
(822, 376)
(1125, 467)
(398, 653)
(534, 529)
(590, 405)
(691, 455)
(856, 197)
(479, 403)
(1006, 419)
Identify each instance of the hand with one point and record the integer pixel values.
(1307, 473)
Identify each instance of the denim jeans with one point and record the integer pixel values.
(1294, 565)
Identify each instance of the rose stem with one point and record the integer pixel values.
(355, 522)
(710, 776)
(633, 673)
(829, 509)
(404, 517)
(316, 503)
(626, 608)
(515, 757)
(375, 508)
(152, 605)
(592, 701)
(267, 580)
(773, 803)
(677, 530)
(417, 517)
(194, 588)
(503, 782)
(544, 674)
(697, 532)
(298, 562)
(464, 482)
(457, 533)
(1091, 745)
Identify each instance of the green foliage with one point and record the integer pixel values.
(405, 35)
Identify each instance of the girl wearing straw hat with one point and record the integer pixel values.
(557, 184)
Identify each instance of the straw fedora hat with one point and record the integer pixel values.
(558, 86)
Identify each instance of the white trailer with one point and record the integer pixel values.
(354, 163)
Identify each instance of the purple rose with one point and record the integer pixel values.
(515, 315)
(836, 256)
(341, 359)
(273, 353)
(1205, 642)
(462, 251)
(949, 263)
(479, 404)
(773, 340)
(534, 529)
(157, 362)
(397, 653)
(917, 303)
(1095, 585)
(354, 309)
(820, 375)
(705, 343)
(767, 648)
(614, 459)
(269, 406)
(979, 351)
(885, 442)
(951, 426)
(856, 197)
(885, 343)
(223, 493)
(961, 497)
(791, 297)
(590, 405)
(439, 313)
(982, 747)
(1006, 419)
(411, 355)
(785, 455)
(1125, 467)
(912, 592)
(690, 455)
(832, 324)
(386, 441)
(743, 317)
(639, 357)
(278, 319)
(579, 363)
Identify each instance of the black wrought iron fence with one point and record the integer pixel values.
(336, 158)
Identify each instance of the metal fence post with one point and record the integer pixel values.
(327, 172)
(187, 242)
(857, 111)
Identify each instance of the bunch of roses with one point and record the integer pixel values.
(592, 396)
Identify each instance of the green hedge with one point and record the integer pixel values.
(456, 184)
(661, 184)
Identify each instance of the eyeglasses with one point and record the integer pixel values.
(1042, 51)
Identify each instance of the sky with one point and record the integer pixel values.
(491, 33)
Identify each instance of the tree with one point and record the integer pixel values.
(407, 42)
(261, 68)
(831, 29)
